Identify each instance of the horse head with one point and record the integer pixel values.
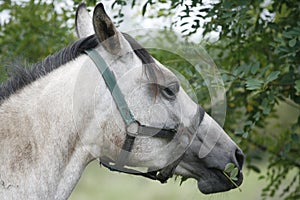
(177, 135)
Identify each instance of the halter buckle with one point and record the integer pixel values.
(133, 128)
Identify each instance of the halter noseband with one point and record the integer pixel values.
(133, 128)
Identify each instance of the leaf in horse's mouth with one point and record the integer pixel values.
(231, 172)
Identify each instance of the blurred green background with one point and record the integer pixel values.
(100, 183)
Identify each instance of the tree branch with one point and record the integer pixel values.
(265, 149)
(271, 83)
(290, 102)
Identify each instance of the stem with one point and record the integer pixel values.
(235, 185)
(290, 102)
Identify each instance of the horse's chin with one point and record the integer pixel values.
(218, 183)
(207, 188)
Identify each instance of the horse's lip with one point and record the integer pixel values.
(223, 180)
(222, 176)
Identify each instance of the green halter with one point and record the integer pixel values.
(133, 127)
(112, 85)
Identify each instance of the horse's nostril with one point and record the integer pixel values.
(239, 156)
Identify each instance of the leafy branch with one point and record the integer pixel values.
(231, 172)
(279, 155)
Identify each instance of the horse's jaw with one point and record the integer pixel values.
(207, 156)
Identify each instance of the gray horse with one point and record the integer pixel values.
(61, 114)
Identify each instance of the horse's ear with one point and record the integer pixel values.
(105, 30)
(83, 22)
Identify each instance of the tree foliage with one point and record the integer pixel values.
(32, 32)
(257, 51)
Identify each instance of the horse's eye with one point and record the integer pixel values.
(170, 91)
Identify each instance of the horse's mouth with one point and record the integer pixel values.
(218, 182)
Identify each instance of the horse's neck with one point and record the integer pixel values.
(41, 155)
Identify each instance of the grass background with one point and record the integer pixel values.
(99, 183)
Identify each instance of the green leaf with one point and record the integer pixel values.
(239, 132)
(254, 168)
(231, 172)
(272, 76)
(234, 178)
(255, 67)
(292, 42)
(253, 84)
(234, 173)
(144, 8)
(245, 135)
(263, 70)
(266, 111)
(287, 34)
(185, 23)
(287, 147)
(248, 123)
(133, 3)
(278, 39)
(229, 167)
(295, 137)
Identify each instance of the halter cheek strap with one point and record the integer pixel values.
(133, 127)
(112, 85)
(118, 97)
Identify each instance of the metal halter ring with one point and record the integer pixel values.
(133, 129)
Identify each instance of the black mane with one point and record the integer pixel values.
(24, 76)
